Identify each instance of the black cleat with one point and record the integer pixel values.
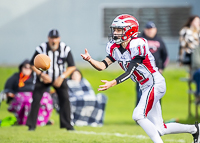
(71, 129)
(31, 128)
(196, 135)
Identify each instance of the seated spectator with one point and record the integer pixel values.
(87, 108)
(18, 89)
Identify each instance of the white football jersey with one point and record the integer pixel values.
(136, 47)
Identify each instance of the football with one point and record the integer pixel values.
(42, 62)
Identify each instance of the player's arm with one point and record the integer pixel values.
(132, 66)
(97, 64)
(100, 65)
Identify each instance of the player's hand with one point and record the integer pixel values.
(86, 56)
(107, 85)
(45, 78)
(9, 94)
(57, 83)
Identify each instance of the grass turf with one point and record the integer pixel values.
(118, 115)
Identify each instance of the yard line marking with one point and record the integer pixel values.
(112, 134)
(123, 135)
(180, 141)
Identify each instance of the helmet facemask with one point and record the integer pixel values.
(127, 33)
(117, 37)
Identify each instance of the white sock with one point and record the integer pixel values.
(150, 129)
(174, 128)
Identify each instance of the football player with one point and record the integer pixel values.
(136, 60)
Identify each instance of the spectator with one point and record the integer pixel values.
(189, 39)
(87, 108)
(189, 50)
(60, 55)
(19, 88)
(156, 47)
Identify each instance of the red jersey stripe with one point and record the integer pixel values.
(112, 48)
(147, 63)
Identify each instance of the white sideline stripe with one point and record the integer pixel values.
(123, 135)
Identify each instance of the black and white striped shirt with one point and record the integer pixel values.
(60, 59)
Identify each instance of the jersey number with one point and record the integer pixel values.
(142, 51)
(138, 76)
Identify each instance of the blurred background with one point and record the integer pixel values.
(24, 24)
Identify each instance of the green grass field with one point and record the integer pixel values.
(118, 125)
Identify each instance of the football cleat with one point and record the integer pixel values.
(196, 135)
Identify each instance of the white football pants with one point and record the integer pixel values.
(148, 113)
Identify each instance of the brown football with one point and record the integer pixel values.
(42, 62)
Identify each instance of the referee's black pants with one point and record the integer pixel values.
(63, 97)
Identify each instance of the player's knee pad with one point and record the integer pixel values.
(137, 115)
(161, 129)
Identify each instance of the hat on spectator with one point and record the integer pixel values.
(150, 24)
(54, 33)
(26, 61)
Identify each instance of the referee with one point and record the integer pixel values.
(60, 55)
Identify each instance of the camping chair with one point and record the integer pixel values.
(191, 93)
(2, 97)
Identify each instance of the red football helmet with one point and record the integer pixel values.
(128, 24)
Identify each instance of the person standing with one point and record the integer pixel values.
(133, 55)
(156, 47)
(55, 76)
(189, 50)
